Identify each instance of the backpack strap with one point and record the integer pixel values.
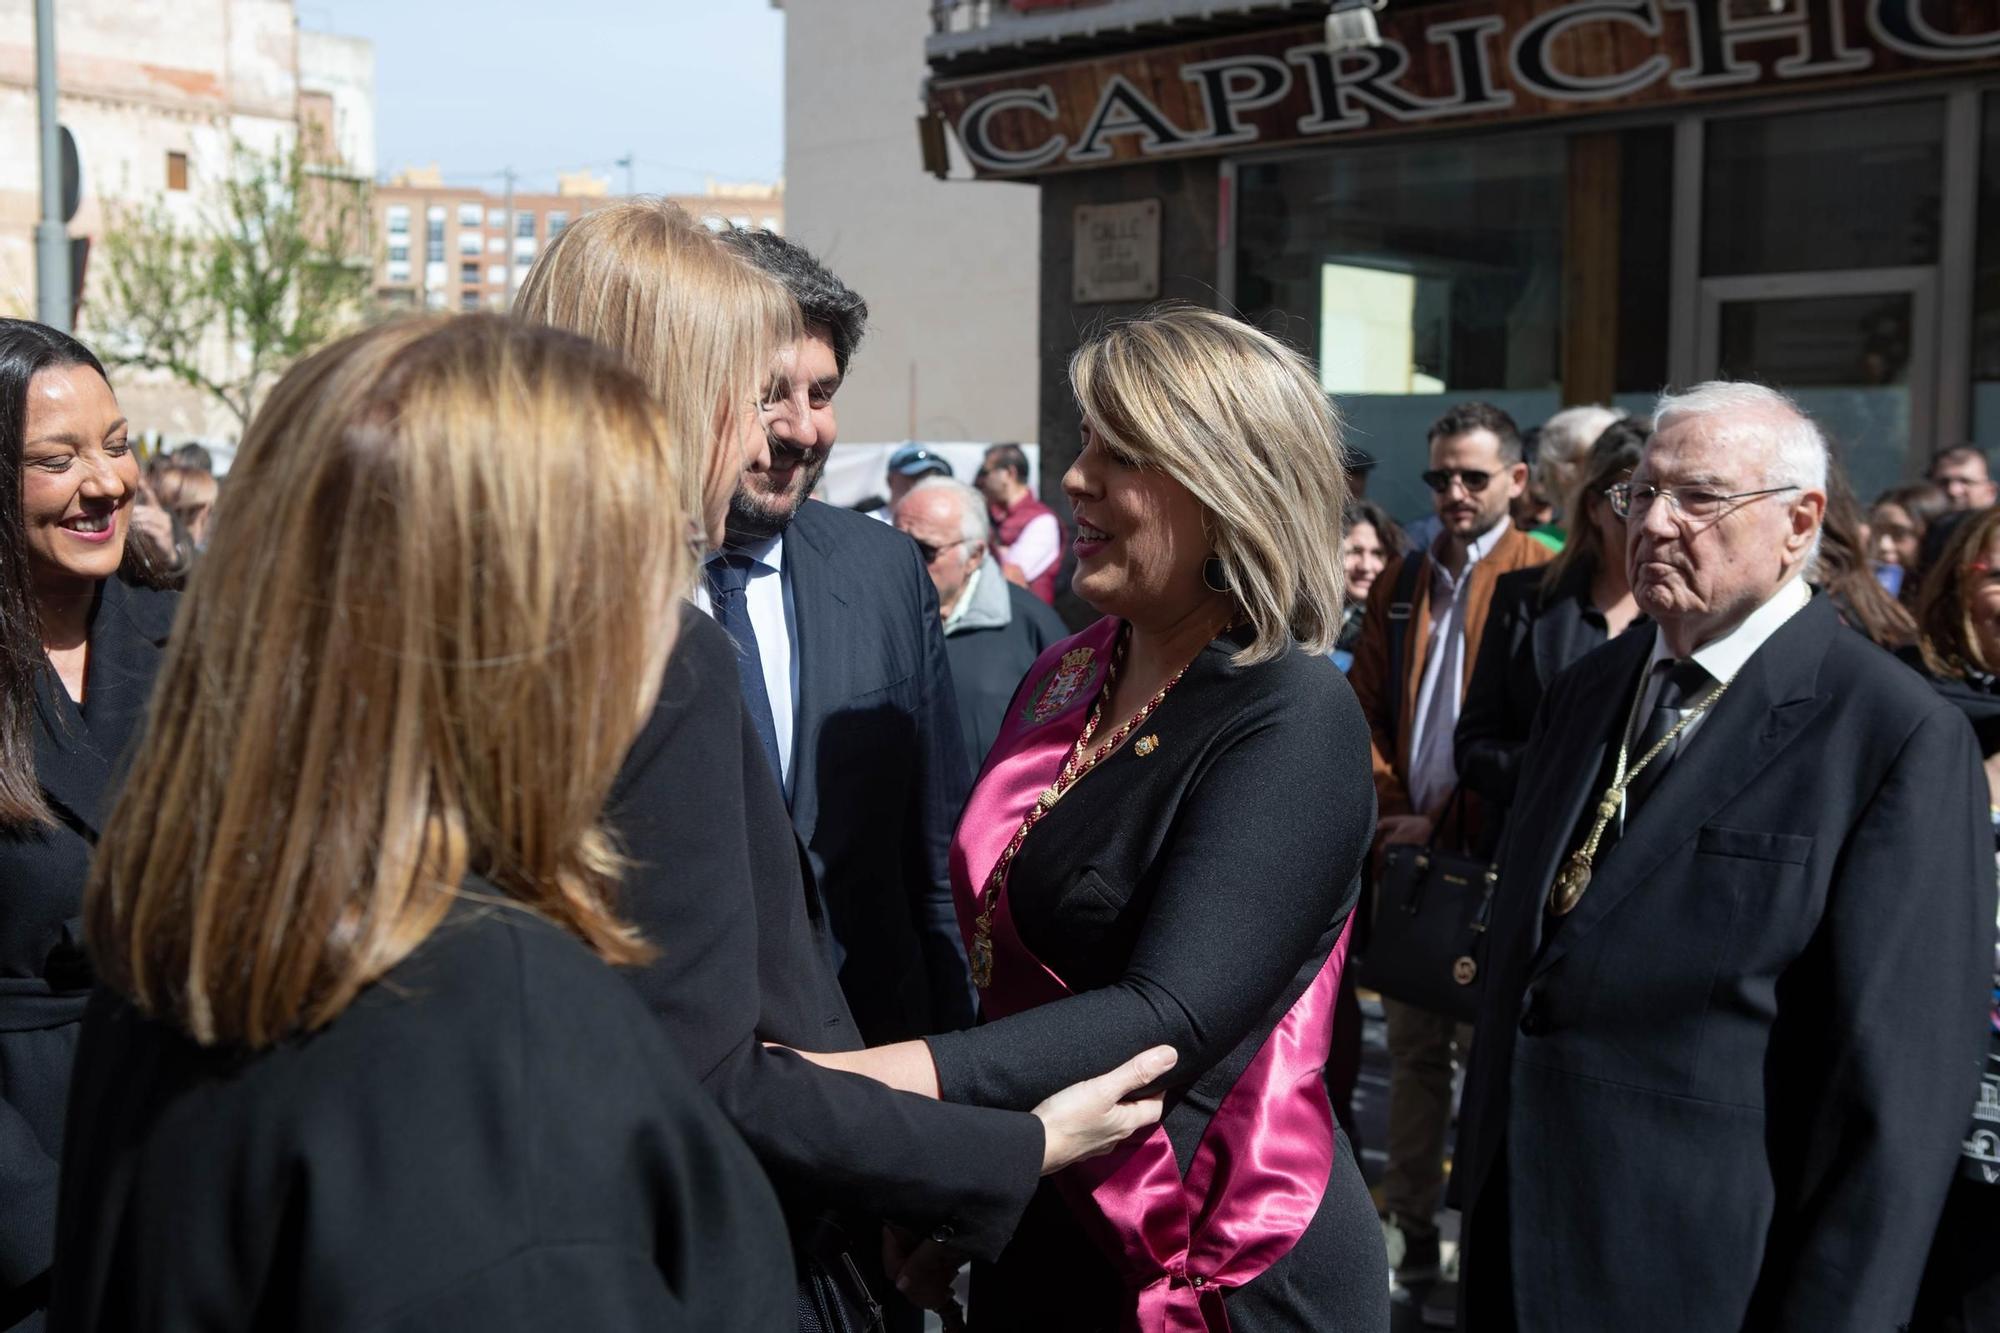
(1401, 607)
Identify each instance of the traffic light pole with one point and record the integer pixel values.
(52, 291)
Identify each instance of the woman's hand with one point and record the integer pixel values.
(923, 1270)
(1093, 1117)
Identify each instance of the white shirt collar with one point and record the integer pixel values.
(768, 554)
(1724, 657)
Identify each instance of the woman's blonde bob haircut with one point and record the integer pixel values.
(1239, 419)
(699, 323)
(418, 647)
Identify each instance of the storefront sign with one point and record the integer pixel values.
(1118, 252)
(1476, 62)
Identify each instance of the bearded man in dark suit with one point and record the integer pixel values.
(1736, 990)
(844, 672)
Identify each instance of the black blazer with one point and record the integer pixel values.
(716, 882)
(1727, 1093)
(44, 979)
(879, 772)
(1530, 637)
(495, 1137)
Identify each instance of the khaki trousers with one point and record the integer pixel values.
(1422, 1049)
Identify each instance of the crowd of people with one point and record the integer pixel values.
(1759, 1019)
(512, 859)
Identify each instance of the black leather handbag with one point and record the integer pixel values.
(1426, 941)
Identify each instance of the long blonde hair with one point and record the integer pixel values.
(1239, 419)
(418, 647)
(699, 323)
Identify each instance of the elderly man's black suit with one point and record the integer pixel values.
(1726, 1092)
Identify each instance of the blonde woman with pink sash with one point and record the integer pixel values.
(1163, 849)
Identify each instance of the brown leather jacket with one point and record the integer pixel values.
(1391, 752)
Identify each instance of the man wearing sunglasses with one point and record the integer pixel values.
(1419, 639)
(1738, 968)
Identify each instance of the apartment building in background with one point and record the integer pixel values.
(447, 246)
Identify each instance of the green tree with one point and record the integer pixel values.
(273, 264)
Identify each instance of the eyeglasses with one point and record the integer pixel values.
(1695, 502)
(931, 553)
(1440, 479)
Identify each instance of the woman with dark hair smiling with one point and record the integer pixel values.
(80, 632)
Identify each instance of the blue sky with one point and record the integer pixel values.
(690, 88)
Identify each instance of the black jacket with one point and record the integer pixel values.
(1188, 893)
(878, 770)
(496, 1137)
(44, 979)
(991, 647)
(716, 882)
(1531, 635)
(1727, 1093)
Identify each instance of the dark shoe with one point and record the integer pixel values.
(1418, 1261)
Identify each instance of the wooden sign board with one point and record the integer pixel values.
(1477, 62)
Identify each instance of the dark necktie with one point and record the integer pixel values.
(1683, 683)
(728, 578)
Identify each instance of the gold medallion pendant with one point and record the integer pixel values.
(1570, 883)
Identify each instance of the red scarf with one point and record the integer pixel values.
(1260, 1172)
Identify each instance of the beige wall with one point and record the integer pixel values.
(948, 268)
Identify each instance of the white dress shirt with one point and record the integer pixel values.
(1433, 765)
(774, 618)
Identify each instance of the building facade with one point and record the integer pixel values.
(947, 267)
(455, 247)
(156, 96)
(1530, 202)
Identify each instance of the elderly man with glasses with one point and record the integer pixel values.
(1419, 639)
(1737, 967)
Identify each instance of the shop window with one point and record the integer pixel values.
(1986, 286)
(1417, 276)
(1823, 191)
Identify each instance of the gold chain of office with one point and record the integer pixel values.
(1074, 767)
(1574, 877)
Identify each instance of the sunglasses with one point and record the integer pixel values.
(1440, 479)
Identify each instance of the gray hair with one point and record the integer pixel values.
(1564, 444)
(973, 525)
(1798, 454)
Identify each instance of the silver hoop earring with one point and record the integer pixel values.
(1213, 575)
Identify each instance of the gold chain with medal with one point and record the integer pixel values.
(1074, 766)
(1574, 877)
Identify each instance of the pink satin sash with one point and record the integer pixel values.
(1261, 1169)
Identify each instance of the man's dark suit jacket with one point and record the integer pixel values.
(717, 886)
(879, 771)
(1727, 1091)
